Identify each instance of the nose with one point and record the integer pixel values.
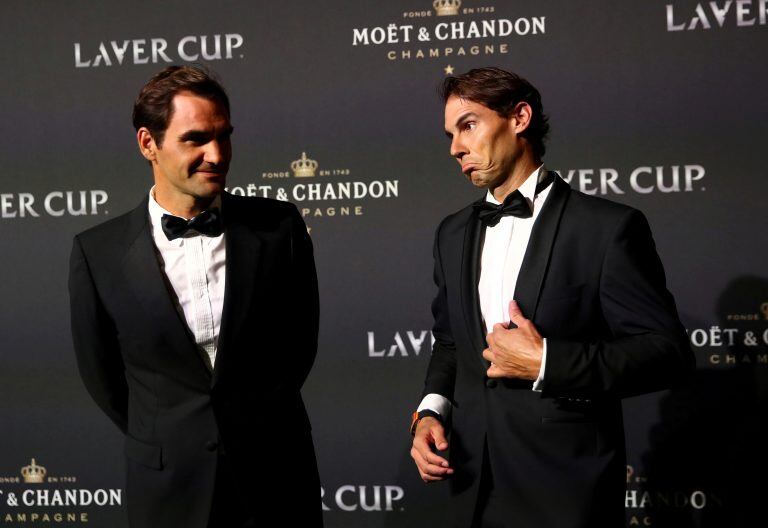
(214, 152)
(458, 150)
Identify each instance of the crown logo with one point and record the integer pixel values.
(33, 474)
(446, 7)
(304, 167)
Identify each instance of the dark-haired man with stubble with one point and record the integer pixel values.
(551, 306)
(181, 328)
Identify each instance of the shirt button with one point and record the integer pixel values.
(490, 383)
(210, 445)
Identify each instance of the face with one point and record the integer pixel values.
(485, 144)
(191, 164)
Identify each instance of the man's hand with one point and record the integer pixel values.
(429, 433)
(514, 352)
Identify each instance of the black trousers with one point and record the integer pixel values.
(229, 509)
(490, 511)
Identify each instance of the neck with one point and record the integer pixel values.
(524, 168)
(182, 205)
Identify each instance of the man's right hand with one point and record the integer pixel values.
(430, 433)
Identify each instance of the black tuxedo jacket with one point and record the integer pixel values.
(141, 365)
(593, 285)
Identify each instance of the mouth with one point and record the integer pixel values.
(212, 174)
(468, 168)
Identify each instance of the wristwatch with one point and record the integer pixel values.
(423, 414)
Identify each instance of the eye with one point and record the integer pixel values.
(195, 139)
(469, 125)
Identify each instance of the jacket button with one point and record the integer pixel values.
(210, 445)
(490, 383)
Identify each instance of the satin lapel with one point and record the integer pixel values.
(142, 272)
(243, 253)
(536, 259)
(470, 276)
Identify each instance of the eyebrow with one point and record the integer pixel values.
(198, 135)
(462, 118)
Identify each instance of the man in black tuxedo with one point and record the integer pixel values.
(551, 307)
(195, 320)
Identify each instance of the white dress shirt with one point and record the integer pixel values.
(500, 262)
(195, 268)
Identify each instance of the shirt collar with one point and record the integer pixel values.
(527, 189)
(156, 212)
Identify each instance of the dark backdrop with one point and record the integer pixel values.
(660, 105)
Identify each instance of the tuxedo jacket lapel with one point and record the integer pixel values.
(142, 272)
(470, 273)
(536, 259)
(243, 251)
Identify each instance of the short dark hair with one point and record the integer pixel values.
(154, 105)
(501, 91)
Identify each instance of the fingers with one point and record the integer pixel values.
(494, 372)
(489, 355)
(431, 467)
(428, 470)
(438, 435)
(425, 439)
(515, 314)
(490, 337)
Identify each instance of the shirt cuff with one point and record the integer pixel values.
(436, 402)
(540, 380)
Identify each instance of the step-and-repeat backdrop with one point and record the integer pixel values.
(657, 104)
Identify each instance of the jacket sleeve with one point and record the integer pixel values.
(305, 293)
(95, 341)
(441, 373)
(648, 348)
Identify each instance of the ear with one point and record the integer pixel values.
(147, 145)
(521, 117)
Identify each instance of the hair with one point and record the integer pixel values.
(153, 108)
(501, 91)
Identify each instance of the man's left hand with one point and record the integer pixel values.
(514, 352)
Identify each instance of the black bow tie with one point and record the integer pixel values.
(514, 204)
(206, 223)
